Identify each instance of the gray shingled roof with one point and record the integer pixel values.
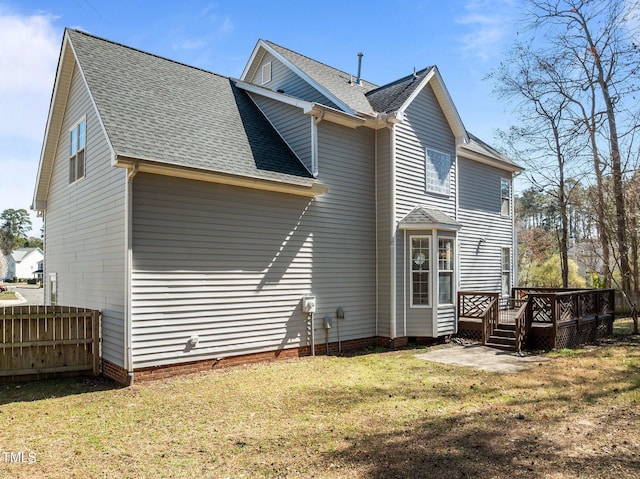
(335, 81)
(422, 214)
(391, 97)
(161, 110)
(478, 146)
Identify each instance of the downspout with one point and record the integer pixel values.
(315, 121)
(457, 266)
(393, 231)
(514, 238)
(128, 267)
(375, 193)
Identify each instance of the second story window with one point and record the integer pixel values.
(505, 197)
(76, 156)
(437, 172)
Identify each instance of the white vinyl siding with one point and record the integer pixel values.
(285, 80)
(85, 227)
(231, 265)
(485, 231)
(293, 126)
(383, 230)
(424, 127)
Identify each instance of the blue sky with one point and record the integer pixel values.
(464, 38)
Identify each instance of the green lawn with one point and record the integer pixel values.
(382, 415)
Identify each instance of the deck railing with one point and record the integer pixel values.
(551, 311)
(483, 306)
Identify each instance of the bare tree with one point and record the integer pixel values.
(598, 38)
(544, 141)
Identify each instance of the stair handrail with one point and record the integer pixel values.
(489, 319)
(521, 329)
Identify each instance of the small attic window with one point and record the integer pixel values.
(266, 73)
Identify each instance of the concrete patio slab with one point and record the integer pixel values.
(483, 357)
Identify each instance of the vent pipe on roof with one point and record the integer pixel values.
(360, 55)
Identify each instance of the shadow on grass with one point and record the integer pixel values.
(496, 439)
(467, 447)
(54, 388)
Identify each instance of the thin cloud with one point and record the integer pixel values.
(189, 45)
(488, 22)
(29, 48)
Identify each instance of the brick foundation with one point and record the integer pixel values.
(115, 372)
(119, 374)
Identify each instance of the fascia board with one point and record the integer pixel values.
(494, 162)
(281, 97)
(335, 116)
(309, 108)
(57, 109)
(252, 58)
(429, 226)
(50, 140)
(149, 166)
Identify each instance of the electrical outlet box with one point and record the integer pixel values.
(309, 304)
(328, 322)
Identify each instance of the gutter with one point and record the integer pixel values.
(309, 188)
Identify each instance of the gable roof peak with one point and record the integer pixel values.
(393, 96)
(337, 86)
(121, 45)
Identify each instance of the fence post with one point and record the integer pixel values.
(554, 318)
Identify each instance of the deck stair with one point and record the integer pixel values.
(503, 337)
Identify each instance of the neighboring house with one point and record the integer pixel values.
(23, 263)
(197, 211)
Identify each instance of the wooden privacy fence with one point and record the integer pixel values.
(43, 341)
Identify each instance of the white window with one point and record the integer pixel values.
(506, 272)
(76, 156)
(445, 271)
(419, 267)
(505, 197)
(266, 73)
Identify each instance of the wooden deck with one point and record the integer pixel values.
(536, 318)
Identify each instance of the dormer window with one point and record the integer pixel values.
(266, 73)
(76, 158)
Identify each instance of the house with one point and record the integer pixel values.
(22, 263)
(295, 210)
